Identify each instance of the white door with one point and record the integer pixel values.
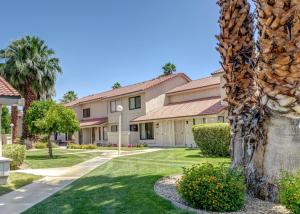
(179, 133)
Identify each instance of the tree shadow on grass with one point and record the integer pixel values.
(108, 194)
(44, 157)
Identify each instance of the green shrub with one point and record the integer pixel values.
(84, 146)
(16, 152)
(213, 139)
(289, 191)
(40, 145)
(213, 188)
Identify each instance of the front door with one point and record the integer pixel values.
(179, 133)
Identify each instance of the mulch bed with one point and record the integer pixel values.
(166, 188)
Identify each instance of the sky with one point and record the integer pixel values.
(100, 42)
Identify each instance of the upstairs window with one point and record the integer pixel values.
(86, 112)
(134, 102)
(113, 106)
(133, 128)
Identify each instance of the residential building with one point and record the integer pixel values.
(158, 112)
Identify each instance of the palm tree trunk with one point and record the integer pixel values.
(14, 121)
(245, 113)
(29, 96)
(279, 78)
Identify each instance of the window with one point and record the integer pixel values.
(134, 102)
(221, 119)
(105, 133)
(194, 121)
(114, 128)
(146, 131)
(133, 128)
(204, 120)
(86, 112)
(113, 106)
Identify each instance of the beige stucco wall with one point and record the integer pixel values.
(156, 97)
(127, 115)
(164, 130)
(195, 94)
(98, 109)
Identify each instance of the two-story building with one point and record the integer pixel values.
(158, 112)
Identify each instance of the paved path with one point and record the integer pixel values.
(55, 180)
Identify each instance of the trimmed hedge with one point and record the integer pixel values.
(213, 188)
(289, 191)
(83, 146)
(42, 145)
(16, 152)
(213, 138)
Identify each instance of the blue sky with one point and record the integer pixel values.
(100, 42)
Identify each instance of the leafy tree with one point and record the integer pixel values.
(168, 69)
(5, 120)
(116, 85)
(47, 117)
(30, 66)
(69, 97)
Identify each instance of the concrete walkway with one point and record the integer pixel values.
(56, 179)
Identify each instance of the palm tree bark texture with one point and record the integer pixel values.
(278, 76)
(263, 98)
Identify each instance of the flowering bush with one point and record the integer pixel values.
(289, 191)
(213, 188)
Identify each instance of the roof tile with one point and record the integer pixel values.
(7, 90)
(126, 89)
(204, 106)
(200, 83)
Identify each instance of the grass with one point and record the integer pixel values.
(62, 157)
(17, 180)
(123, 148)
(123, 185)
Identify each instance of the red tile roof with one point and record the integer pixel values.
(93, 122)
(7, 90)
(200, 83)
(205, 106)
(127, 89)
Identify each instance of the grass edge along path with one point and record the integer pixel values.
(123, 185)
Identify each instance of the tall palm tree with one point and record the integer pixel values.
(237, 50)
(279, 79)
(30, 66)
(69, 96)
(168, 68)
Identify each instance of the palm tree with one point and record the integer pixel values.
(116, 85)
(237, 50)
(69, 96)
(30, 67)
(168, 69)
(279, 79)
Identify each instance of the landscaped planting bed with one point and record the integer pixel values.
(166, 188)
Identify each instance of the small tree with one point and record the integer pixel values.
(116, 85)
(47, 117)
(69, 96)
(168, 69)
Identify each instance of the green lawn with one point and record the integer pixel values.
(123, 185)
(123, 148)
(17, 180)
(62, 157)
